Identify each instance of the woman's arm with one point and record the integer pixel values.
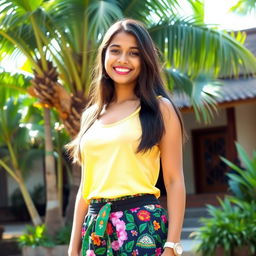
(80, 211)
(171, 159)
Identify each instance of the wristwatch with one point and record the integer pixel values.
(177, 247)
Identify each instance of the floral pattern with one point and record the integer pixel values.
(137, 231)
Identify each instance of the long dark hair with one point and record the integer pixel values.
(149, 86)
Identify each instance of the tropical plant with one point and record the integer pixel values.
(35, 236)
(13, 85)
(233, 224)
(38, 236)
(16, 149)
(67, 33)
(244, 6)
(229, 226)
(242, 181)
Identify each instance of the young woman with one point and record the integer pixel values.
(129, 125)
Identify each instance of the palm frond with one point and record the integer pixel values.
(201, 93)
(193, 48)
(148, 11)
(12, 85)
(101, 14)
(244, 6)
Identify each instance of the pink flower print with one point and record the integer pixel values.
(135, 209)
(115, 245)
(83, 231)
(122, 235)
(158, 251)
(103, 242)
(164, 219)
(115, 216)
(120, 225)
(134, 232)
(90, 253)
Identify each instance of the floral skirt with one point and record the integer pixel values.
(138, 231)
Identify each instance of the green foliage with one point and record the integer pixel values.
(37, 236)
(63, 235)
(242, 182)
(233, 224)
(68, 32)
(230, 226)
(244, 7)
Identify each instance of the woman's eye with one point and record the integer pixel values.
(114, 51)
(134, 53)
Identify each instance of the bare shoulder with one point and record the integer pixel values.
(166, 107)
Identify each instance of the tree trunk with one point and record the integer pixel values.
(53, 218)
(35, 217)
(76, 177)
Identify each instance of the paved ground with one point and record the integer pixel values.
(15, 230)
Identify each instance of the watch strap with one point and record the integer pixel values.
(169, 244)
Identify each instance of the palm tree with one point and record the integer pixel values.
(59, 38)
(44, 76)
(68, 32)
(16, 149)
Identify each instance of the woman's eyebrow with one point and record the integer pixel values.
(117, 45)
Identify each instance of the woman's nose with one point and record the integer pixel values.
(123, 58)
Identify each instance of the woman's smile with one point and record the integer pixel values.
(122, 70)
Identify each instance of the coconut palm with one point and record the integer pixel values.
(67, 33)
(59, 39)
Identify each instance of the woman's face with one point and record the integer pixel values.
(122, 59)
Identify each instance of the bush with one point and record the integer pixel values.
(37, 236)
(233, 224)
(242, 182)
(230, 226)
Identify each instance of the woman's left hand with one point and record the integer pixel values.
(168, 252)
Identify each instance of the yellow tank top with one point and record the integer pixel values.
(111, 166)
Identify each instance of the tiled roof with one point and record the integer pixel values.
(231, 90)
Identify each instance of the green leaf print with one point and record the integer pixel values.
(142, 227)
(129, 217)
(124, 254)
(163, 227)
(129, 246)
(158, 239)
(100, 251)
(151, 228)
(156, 214)
(130, 226)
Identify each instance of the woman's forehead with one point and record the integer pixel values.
(124, 39)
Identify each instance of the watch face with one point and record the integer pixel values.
(178, 249)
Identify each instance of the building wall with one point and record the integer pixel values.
(246, 126)
(191, 124)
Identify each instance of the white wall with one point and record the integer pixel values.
(190, 124)
(246, 126)
(34, 177)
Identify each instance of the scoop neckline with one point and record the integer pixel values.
(121, 120)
